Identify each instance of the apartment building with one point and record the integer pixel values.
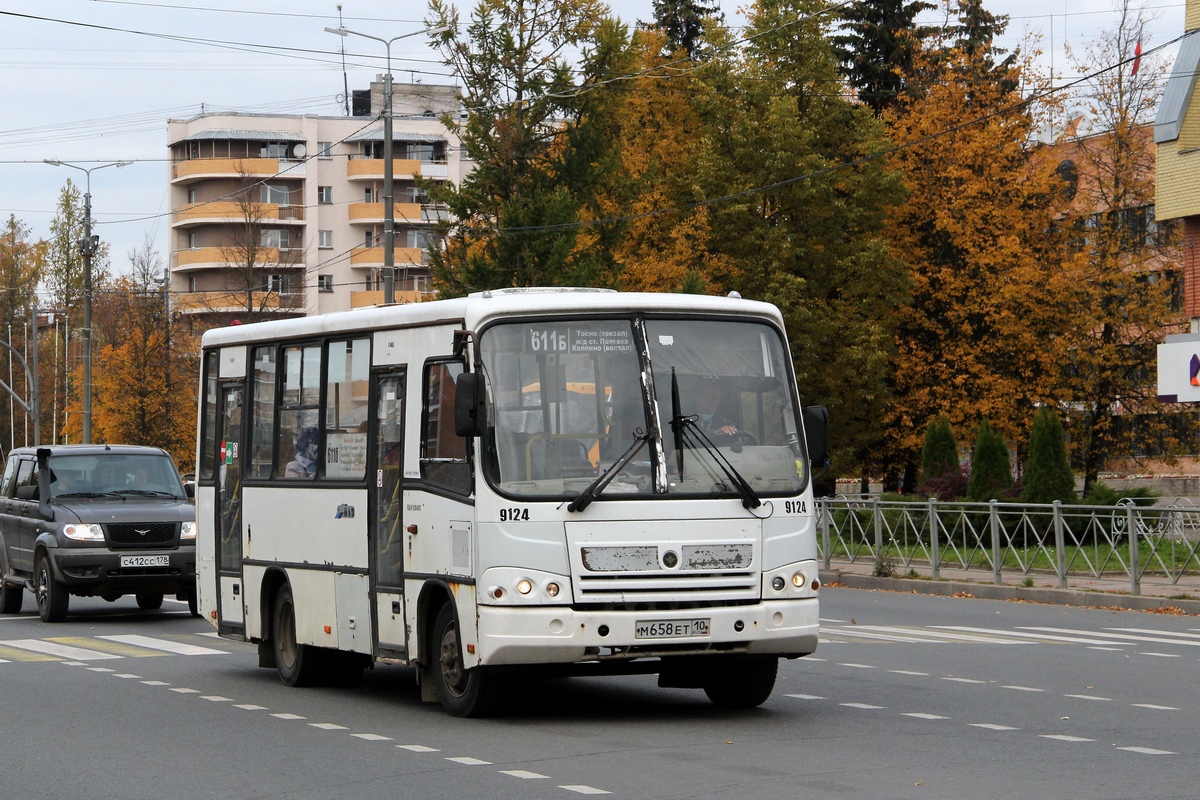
(1177, 142)
(282, 215)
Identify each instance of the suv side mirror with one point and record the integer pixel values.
(27, 493)
(470, 411)
(816, 434)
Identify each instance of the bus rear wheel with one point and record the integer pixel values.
(298, 664)
(740, 681)
(463, 692)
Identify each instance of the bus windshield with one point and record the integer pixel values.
(567, 399)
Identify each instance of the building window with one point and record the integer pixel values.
(274, 193)
(276, 283)
(325, 194)
(369, 240)
(324, 149)
(192, 240)
(273, 150)
(276, 238)
(368, 195)
(324, 283)
(192, 195)
(325, 239)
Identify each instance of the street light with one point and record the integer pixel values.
(389, 212)
(87, 247)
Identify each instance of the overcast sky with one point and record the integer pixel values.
(94, 81)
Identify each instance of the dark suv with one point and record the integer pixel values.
(94, 521)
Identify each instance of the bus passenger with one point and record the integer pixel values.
(305, 463)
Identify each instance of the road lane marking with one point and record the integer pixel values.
(909, 672)
(58, 649)
(1162, 655)
(523, 774)
(251, 707)
(945, 632)
(1062, 737)
(1153, 632)
(579, 788)
(1087, 697)
(1122, 636)
(1040, 636)
(962, 680)
(991, 726)
(371, 737)
(288, 716)
(865, 706)
(858, 666)
(216, 698)
(1148, 751)
(164, 645)
(1154, 707)
(186, 691)
(467, 760)
(418, 748)
(328, 726)
(1024, 688)
(805, 696)
(156, 683)
(919, 715)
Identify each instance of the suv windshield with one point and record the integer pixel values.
(84, 475)
(568, 399)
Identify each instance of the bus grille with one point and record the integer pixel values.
(147, 534)
(686, 587)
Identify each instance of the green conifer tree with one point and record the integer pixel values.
(939, 457)
(991, 471)
(1048, 475)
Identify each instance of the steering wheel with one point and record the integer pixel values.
(736, 438)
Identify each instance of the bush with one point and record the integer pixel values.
(1048, 475)
(991, 471)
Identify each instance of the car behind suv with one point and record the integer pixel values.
(94, 520)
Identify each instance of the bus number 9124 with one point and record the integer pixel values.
(514, 515)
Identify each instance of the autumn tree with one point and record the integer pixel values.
(798, 198)
(146, 368)
(1129, 287)
(667, 244)
(989, 288)
(1048, 475)
(991, 470)
(20, 270)
(541, 126)
(877, 45)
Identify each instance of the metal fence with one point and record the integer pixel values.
(1126, 542)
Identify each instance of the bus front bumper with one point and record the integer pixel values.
(562, 635)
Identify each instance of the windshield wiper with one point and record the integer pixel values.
(146, 492)
(593, 490)
(692, 436)
(83, 494)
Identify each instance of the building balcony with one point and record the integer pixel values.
(365, 299)
(221, 257)
(372, 213)
(373, 256)
(198, 169)
(371, 169)
(225, 211)
(233, 302)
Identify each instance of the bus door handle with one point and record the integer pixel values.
(412, 529)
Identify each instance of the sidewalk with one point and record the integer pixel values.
(1155, 595)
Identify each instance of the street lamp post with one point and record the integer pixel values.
(87, 248)
(389, 211)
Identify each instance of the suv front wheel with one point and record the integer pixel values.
(52, 596)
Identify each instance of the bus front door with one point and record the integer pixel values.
(387, 526)
(232, 615)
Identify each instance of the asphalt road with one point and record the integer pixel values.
(908, 696)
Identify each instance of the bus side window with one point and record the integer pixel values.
(443, 452)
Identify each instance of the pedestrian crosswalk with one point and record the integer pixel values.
(843, 631)
(98, 648)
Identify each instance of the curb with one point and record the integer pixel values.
(1030, 594)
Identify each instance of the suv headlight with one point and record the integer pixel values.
(84, 533)
(188, 531)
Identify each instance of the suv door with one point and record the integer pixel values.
(25, 515)
(9, 518)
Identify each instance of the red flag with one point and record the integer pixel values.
(1137, 57)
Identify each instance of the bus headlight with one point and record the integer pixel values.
(524, 586)
(84, 533)
(777, 583)
(552, 589)
(187, 530)
(798, 580)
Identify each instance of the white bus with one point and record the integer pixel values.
(566, 480)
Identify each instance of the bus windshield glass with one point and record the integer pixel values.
(567, 399)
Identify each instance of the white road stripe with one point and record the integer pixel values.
(328, 726)
(944, 633)
(1154, 707)
(1154, 632)
(993, 727)
(1041, 636)
(216, 698)
(470, 762)
(186, 691)
(909, 672)
(251, 707)
(56, 649)
(524, 774)
(579, 788)
(919, 715)
(1162, 655)
(1087, 697)
(1149, 751)
(858, 666)
(372, 737)
(418, 748)
(288, 716)
(866, 706)
(164, 645)
(1121, 636)
(963, 680)
(1064, 738)
(1025, 688)
(877, 636)
(805, 696)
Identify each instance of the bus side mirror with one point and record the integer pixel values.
(816, 433)
(470, 413)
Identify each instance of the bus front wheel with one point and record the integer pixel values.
(298, 664)
(740, 681)
(463, 692)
